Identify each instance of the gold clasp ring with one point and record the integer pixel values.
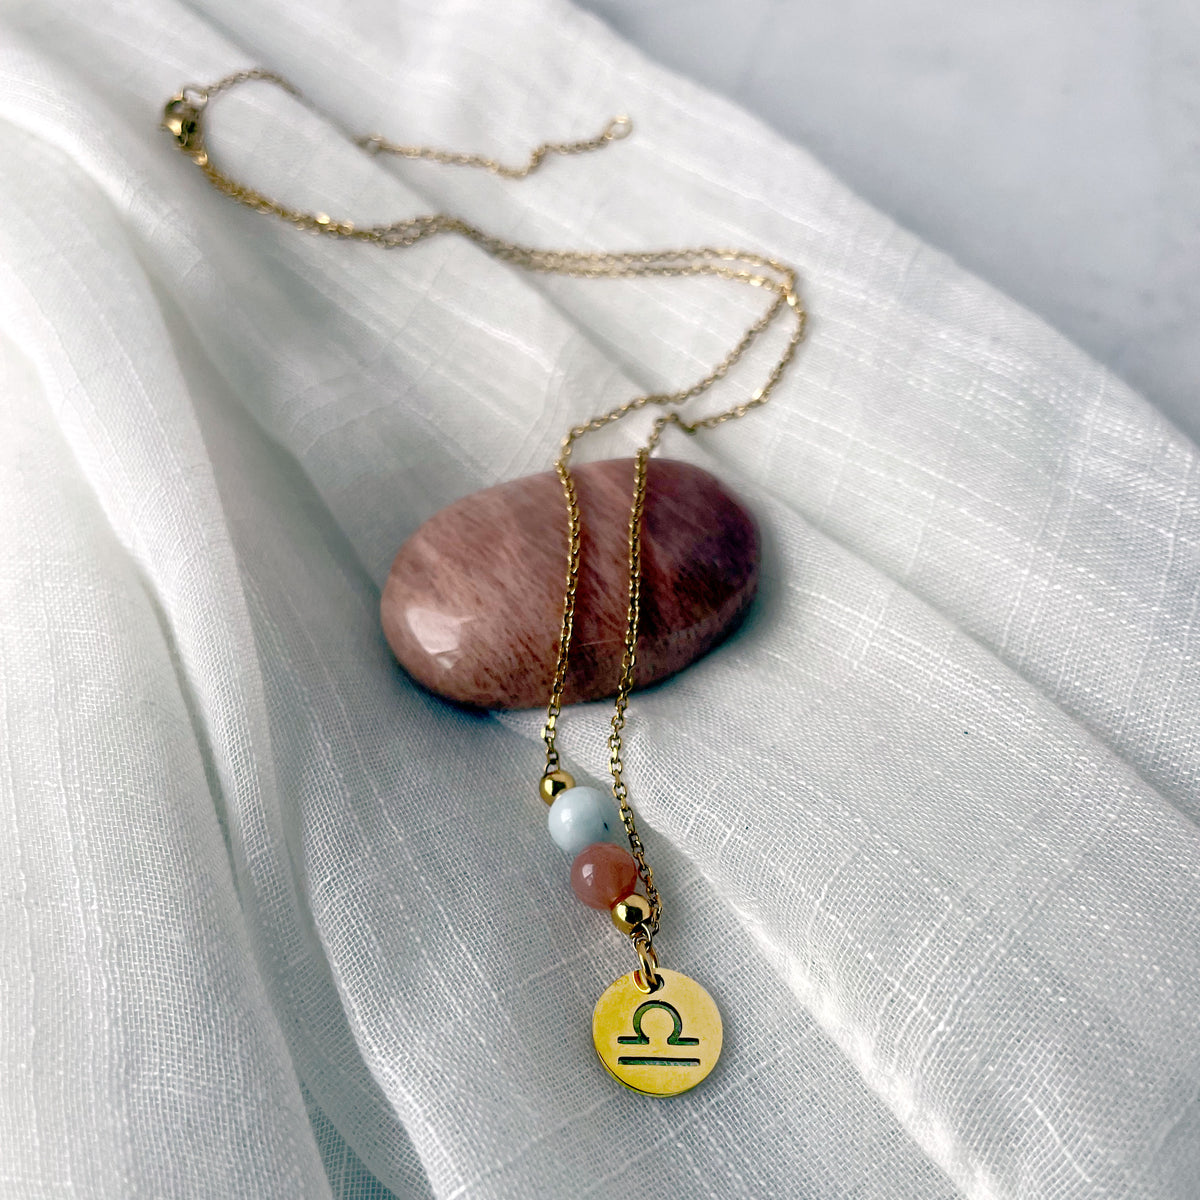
(181, 119)
(647, 979)
(618, 128)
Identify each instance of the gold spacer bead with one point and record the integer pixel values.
(631, 912)
(553, 783)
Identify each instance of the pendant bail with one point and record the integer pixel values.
(646, 979)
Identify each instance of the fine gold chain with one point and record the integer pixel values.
(184, 119)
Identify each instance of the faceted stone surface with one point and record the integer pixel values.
(602, 874)
(473, 603)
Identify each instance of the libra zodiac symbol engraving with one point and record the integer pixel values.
(675, 1038)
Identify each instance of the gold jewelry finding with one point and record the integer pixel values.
(631, 912)
(553, 784)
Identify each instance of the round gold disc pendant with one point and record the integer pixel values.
(659, 1043)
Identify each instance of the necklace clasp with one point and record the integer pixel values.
(181, 119)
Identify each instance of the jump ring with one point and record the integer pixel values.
(647, 979)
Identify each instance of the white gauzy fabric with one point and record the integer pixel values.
(275, 923)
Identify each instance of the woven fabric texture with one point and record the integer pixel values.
(275, 923)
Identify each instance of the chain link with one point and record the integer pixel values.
(183, 118)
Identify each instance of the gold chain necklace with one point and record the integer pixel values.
(668, 1019)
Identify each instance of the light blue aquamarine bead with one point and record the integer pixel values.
(580, 816)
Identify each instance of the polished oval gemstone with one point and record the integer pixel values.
(602, 874)
(473, 604)
(580, 816)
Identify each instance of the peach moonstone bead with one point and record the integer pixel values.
(602, 874)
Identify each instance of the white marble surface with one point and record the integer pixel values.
(1051, 146)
